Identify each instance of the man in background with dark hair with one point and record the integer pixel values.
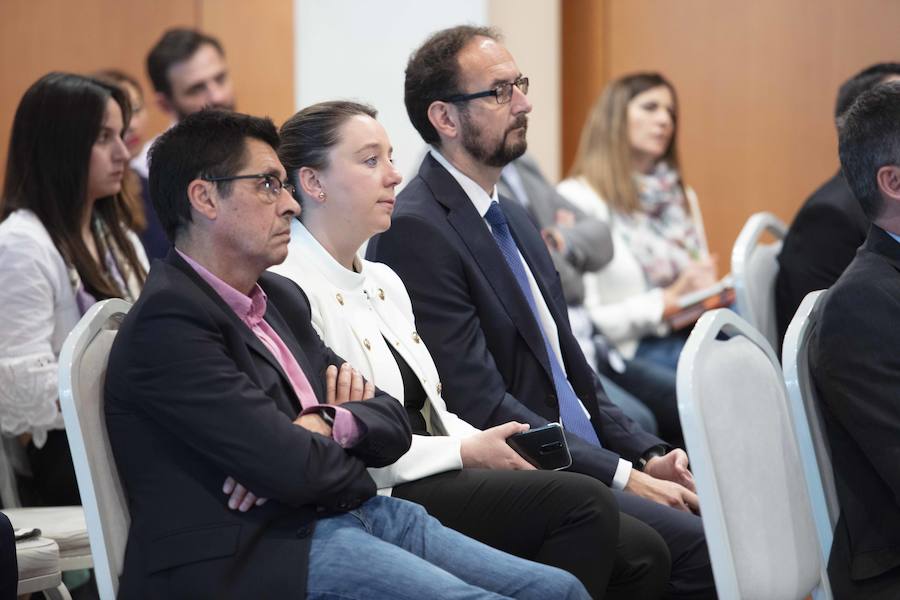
(830, 225)
(189, 73)
(855, 360)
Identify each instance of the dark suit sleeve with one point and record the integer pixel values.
(381, 446)
(857, 371)
(448, 321)
(819, 247)
(589, 242)
(180, 374)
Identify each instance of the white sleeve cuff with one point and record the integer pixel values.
(428, 455)
(623, 473)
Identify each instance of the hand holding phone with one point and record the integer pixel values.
(544, 447)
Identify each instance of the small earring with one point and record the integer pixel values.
(321, 195)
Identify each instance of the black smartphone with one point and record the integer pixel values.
(544, 447)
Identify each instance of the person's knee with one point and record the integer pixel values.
(588, 501)
(645, 551)
(557, 583)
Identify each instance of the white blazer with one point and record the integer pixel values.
(618, 298)
(354, 312)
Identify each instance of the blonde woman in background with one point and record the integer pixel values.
(626, 173)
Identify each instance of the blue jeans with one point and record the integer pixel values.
(631, 405)
(665, 350)
(392, 549)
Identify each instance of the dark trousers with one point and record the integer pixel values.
(683, 533)
(9, 570)
(54, 481)
(561, 519)
(882, 587)
(654, 385)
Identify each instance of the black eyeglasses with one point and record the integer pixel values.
(269, 183)
(502, 93)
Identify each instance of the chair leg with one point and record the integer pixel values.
(60, 592)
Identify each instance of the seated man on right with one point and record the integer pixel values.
(855, 363)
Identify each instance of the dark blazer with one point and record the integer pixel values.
(819, 245)
(192, 396)
(856, 367)
(9, 567)
(485, 342)
(589, 244)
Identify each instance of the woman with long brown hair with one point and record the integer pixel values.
(63, 246)
(626, 172)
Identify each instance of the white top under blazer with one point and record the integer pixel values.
(354, 313)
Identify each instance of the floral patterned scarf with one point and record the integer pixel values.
(662, 234)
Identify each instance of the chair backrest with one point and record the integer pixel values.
(82, 372)
(807, 415)
(756, 508)
(754, 267)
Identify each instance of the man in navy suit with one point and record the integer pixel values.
(854, 360)
(211, 386)
(488, 301)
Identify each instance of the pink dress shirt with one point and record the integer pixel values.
(251, 310)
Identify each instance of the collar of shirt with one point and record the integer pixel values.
(250, 309)
(304, 244)
(481, 199)
(893, 235)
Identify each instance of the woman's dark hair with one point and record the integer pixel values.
(55, 127)
(308, 136)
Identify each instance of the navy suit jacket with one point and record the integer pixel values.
(193, 396)
(819, 245)
(485, 341)
(856, 368)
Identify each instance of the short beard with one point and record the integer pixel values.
(499, 156)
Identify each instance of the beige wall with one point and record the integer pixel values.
(532, 31)
(39, 36)
(756, 83)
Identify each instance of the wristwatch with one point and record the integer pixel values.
(325, 413)
(650, 454)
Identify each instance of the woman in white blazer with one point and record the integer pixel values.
(64, 245)
(626, 173)
(339, 159)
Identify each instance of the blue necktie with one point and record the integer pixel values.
(570, 408)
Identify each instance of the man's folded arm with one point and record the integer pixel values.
(384, 431)
(180, 375)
